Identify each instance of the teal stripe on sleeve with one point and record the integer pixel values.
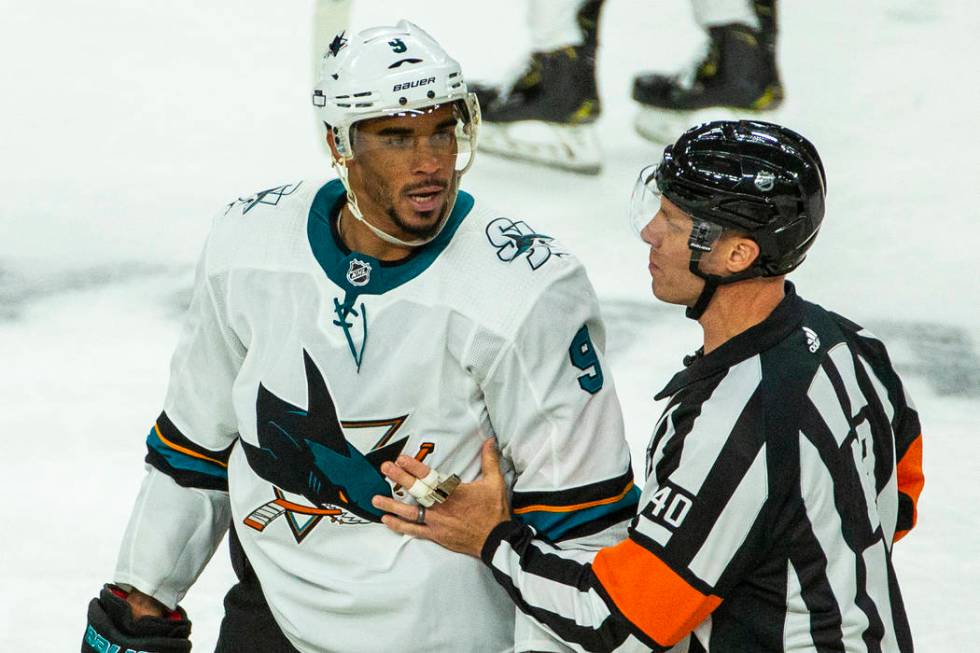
(554, 525)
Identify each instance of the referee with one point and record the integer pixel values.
(787, 461)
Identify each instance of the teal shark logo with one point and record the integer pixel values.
(305, 452)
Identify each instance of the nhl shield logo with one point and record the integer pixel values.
(359, 273)
(765, 181)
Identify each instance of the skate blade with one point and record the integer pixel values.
(663, 126)
(567, 147)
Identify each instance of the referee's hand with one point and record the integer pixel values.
(463, 522)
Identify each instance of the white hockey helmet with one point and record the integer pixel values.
(391, 71)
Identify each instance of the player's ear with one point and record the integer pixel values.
(332, 143)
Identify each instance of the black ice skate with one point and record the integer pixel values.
(547, 115)
(736, 78)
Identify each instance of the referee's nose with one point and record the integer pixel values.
(652, 232)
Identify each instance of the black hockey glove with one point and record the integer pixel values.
(111, 627)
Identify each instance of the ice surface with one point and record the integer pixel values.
(125, 125)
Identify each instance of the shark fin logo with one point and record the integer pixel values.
(305, 452)
(268, 197)
(336, 45)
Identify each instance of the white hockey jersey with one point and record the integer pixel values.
(303, 366)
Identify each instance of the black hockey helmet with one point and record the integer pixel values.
(756, 177)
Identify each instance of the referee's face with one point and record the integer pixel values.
(667, 234)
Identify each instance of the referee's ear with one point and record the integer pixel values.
(740, 253)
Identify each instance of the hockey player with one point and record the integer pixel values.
(736, 72)
(548, 114)
(335, 326)
(787, 461)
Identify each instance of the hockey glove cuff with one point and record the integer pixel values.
(111, 627)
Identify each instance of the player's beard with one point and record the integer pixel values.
(383, 196)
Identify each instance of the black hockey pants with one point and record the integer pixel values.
(248, 625)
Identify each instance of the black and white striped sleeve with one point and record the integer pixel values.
(699, 527)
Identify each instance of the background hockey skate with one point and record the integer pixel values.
(125, 125)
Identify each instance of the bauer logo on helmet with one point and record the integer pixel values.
(416, 83)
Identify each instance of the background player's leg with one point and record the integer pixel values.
(554, 24)
(248, 625)
(714, 13)
(737, 71)
(546, 115)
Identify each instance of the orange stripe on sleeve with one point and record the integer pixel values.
(650, 594)
(577, 506)
(185, 450)
(911, 479)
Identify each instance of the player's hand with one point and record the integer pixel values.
(463, 522)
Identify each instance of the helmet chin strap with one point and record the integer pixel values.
(341, 167)
(699, 245)
(711, 283)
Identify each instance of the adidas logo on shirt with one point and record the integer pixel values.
(812, 340)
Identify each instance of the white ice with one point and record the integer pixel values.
(124, 125)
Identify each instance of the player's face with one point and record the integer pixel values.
(667, 234)
(403, 170)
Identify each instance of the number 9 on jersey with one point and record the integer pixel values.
(583, 356)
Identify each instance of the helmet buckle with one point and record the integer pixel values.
(703, 236)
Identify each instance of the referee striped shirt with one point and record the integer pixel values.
(784, 467)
